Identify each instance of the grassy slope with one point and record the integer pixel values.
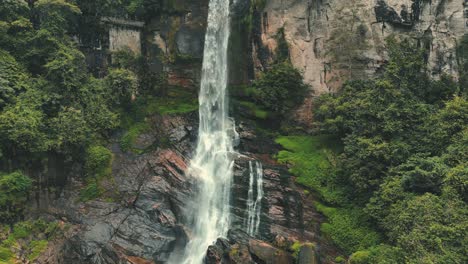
(312, 161)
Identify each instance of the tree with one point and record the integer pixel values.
(67, 70)
(57, 16)
(451, 120)
(421, 174)
(13, 79)
(14, 188)
(22, 128)
(280, 88)
(122, 85)
(11, 10)
(431, 229)
(69, 129)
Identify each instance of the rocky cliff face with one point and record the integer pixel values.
(143, 221)
(332, 41)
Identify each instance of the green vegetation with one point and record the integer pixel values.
(272, 96)
(128, 139)
(14, 188)
(403, 164)
(312, 160)
(98, 167)
(50, 105)
(297, 246)
(349, 228)
(254, 110)
(135, 120)
(29, 238)
(280, 89)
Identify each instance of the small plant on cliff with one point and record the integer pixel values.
(97, 167)
(14, 188)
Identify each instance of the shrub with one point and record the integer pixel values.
(360, 257)
(348, 228)
(98, 161)
(37, 247)
(14, 188)
(5, 254)
(280, 88)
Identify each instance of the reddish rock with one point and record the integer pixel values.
(138, 260)
(269, 253)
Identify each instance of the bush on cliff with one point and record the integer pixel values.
(14, 188)
(280, 88)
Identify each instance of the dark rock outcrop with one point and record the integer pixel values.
(239, 248)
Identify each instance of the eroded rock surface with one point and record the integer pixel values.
(332, 41)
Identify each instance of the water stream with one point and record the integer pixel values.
(254, 206)
(213, 162)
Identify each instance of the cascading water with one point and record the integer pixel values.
(213, 162)
(254, 207)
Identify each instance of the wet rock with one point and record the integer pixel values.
(144, 141)
(268, 253)
(190, 41)
(307, 255)
(385, 13)
(216, 253)
(138, 260)
(240, 248)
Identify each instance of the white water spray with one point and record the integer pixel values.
(214, 157)
(254, 206)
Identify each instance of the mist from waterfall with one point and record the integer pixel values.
(254, 206)
(213, 162)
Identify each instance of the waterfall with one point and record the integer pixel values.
(254, 207)
(213, 162)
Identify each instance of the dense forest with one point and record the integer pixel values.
(386, 159)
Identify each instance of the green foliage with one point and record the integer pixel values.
(5, 255)
(14, 188)
(91, 191)
(12, 79)
(128, 139)
(282, 51)
(429, 227)
(340, 259)
(57, 16)
(10, 10)
(349, 228)
(381, 254)
(28, 237)
(37, 247)
(254, 110)
(360, 257)
(295, 248)
(122, 85)
(422, 174)
(98, 166)
(312, 160)
(67, 70)
(70, 127)
(98, 161)
(404, 156)
(280, 88)
(21, 127)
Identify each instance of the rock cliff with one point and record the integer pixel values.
(332, 41)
